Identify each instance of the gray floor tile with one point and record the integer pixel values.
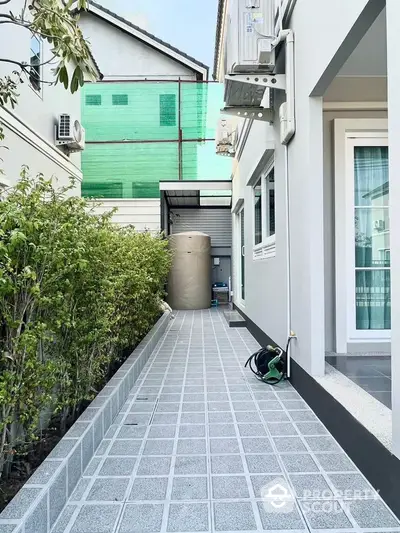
(188, 517)
(335, 462)
(220, 418)
(299, 462)
(247, 417)
(189, 488)
(168, 407)
(371, 514)
(322, 444)
(108, 489)
(350, 485)
(150, 489)
(241, 397)
(292, 405)
(158, 447)
(281, 520)
(252, 430)
(257, 445)
(269, 405)
(196, 397)
(235, 516)
(142, 407)
(275, 416)
(226, 464)
(228, 445)
(193, 430)
(125, 447)
(160, 432)
(191, 446)
(198, 407)
(193, 418)
(170, 397)
(190, 465)
(311, 428)
(263, 464)
(222, 430)
(217, 397)
(165, 418)
(131, 432)
(311, 486)
(243, 406)
(229, 487)
(118, 466)
(303, 416)
(145, 518)
(218, 407)
(282, 428)
(96, 519)
(136, 419)
(154, 466)
(325, 515)
(260, 481)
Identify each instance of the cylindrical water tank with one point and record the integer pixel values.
(189, 283)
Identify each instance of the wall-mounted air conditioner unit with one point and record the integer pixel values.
(70, 133)
(250, 32)
(226, 139)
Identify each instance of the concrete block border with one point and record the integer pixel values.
(37, 506)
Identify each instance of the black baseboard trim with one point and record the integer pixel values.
(379, 466)
(372, 458)
(261, 337)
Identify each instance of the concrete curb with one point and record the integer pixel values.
(36, 507)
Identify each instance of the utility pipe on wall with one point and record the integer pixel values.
(288, 129)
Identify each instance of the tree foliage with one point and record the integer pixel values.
(52, 21)
(75, 291)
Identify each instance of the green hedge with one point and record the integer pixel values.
(75, 291)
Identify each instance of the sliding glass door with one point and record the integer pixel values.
(370, 305)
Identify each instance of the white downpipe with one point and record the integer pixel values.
(290, 128)
(289, 125)
(288, 261)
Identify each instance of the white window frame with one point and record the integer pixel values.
(350, 133)
(38, 91)
(267, 248)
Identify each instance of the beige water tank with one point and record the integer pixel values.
(189, 283)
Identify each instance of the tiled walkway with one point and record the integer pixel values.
(200, 442)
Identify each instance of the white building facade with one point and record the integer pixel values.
(29, 129)
(316, 255)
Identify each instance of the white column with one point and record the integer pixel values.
(393, 32)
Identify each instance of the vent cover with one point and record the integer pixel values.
(119, 99)
(93, 99)
(64, 127)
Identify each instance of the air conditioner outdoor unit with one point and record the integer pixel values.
(250, 32)
(70, 133)
(226, 137)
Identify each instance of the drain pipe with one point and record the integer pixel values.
(288, 129)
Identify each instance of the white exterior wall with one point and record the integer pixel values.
(142, 214)
(393, 29)
(122, 56)
(266, 280)
(29, 128)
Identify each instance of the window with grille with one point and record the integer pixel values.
(119, 99)
(167, 109)
(93, 99)
(35, 72)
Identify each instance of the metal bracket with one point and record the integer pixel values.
(253, 113)
(263, 80)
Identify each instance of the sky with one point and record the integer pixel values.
(187, 24)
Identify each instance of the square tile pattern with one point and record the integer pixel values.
(200, 442)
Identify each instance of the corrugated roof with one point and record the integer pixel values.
(147, 34)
